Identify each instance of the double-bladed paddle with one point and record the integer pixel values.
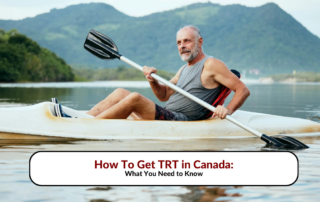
(104, 48)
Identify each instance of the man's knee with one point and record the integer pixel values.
(135, 97)
(121, 92)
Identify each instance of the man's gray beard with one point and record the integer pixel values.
(192, 55)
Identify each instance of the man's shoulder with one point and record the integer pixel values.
(213, 63)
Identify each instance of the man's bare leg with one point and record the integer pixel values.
(108, 102)
(134, 102)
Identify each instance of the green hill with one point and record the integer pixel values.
(265, 37)
(22, 59)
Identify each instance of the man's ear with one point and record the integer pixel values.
(200, 41)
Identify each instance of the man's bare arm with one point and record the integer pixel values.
(162, 92)
(221, 74)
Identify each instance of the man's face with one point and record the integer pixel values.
(188, 46)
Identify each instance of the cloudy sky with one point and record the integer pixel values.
(307, 12)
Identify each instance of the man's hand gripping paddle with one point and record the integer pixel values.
(104, 48)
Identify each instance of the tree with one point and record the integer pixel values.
(22, 59)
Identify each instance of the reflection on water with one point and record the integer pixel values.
(252, 144)
(287, 100)
(15, 154)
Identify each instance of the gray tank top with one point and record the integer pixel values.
(190, 81)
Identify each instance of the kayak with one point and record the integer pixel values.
(38, 121)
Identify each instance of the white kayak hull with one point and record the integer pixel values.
(39, 120)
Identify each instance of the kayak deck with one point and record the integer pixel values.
(38, 121)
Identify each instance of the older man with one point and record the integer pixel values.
(202, 76)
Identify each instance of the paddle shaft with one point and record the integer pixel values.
(194, 98)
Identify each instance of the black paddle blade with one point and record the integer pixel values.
(101, 46)
(290, 141)
(283, 142)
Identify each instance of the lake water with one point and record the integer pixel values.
(294, 100)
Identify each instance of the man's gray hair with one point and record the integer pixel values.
(195, 29)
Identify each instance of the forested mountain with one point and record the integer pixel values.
(22, 59)
(265, 37)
